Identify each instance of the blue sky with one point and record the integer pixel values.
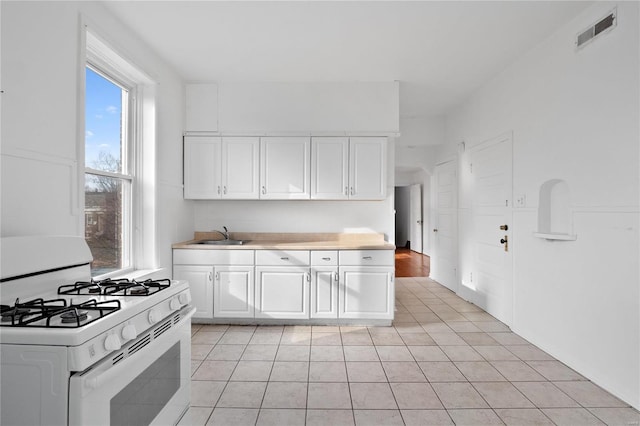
(103, 107)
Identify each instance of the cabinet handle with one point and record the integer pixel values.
(264, 190)
(326, 258)
(337, 279)
(346, 190)
(210, 277)
(367, 258)
(352, 190)
(218, 189)
(217, 276)
(284, 258)
(308, 277)
(224, 190)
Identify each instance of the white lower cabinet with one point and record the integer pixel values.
(366, 292)
(282, 292)
(367, 288)
(289, 284)
(233, 292)
(200, 279)
(324, 284)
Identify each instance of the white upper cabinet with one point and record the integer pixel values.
(240, 168)
(284, 168)
(349, 168)
(330, 168)
(221, 168)
(367, 168)
(202, 172)
(201, 107)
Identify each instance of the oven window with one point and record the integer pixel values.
(142, 399)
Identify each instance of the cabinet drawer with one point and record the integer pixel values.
(324, 258)
(213, 257)
(282, 257)
(367, 257)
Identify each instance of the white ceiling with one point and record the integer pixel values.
(440, 51)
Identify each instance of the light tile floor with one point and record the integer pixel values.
(445, 361)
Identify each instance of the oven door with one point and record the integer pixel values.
(147, 382)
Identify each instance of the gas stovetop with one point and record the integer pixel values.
(67, 312)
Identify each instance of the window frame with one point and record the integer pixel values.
(98, 59)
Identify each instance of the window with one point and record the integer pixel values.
(109, 180)
(119, 148)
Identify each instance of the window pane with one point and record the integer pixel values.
(104, 222)
(105, 102)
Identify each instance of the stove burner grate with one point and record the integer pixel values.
(119, 287)
(55, 313)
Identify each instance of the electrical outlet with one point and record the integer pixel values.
(521, 201)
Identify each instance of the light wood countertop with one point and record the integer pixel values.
(291, 241)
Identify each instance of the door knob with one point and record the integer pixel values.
(504, 227)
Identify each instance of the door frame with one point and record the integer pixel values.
(466, 236)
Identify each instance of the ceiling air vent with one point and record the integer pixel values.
(601, 27)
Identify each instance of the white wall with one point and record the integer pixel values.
(42, 122)
(574, 116)
(338, 107)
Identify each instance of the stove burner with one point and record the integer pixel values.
(139, 290)
(10, 314)
(74, 315)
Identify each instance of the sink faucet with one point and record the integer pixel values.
(225, 234)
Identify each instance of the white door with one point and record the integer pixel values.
(240, 168)
(330, 168)
(233, 292)
(367, 168)
(490, 193)
(282, 292)
(201, 285)
(444, 231)
(415, 217)
(202, 174)
(284, 168)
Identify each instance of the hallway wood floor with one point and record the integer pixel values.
(411, 264)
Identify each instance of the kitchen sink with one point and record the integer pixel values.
(222, 242)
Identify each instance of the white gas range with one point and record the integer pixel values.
(79, 352)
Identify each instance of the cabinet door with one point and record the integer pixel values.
(366, 292)
(233, 292)
(282, 292)
(240, 165)
(324, 292)
(284, 168)
(202, 174)
(201, 107)
(367, 168)
(201, 285)
(330, 168)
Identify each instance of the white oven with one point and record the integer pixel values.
(75, 351)
(147, 381)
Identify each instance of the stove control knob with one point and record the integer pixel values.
(153, 316)
(183, 298)
(174, 304)
(129, 332)
(112, 343)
